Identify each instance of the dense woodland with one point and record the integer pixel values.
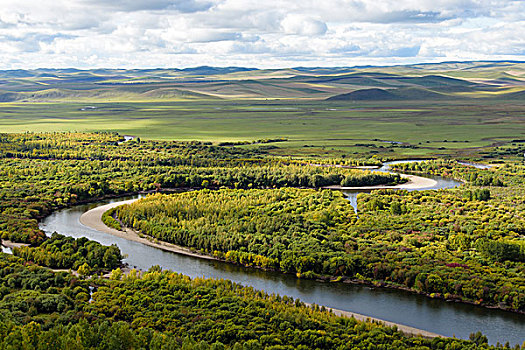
(443, 243)
(426, 241)
(43, 172)
(63, 252)
(40, 309)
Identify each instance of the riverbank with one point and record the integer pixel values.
(93, 219)
(414, 183)
(411, 331)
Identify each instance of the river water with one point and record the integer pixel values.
(441, 182)
(438, 316)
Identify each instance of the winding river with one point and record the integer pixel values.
(440, 182)
(437, 316)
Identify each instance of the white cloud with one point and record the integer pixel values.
(302, 25)
(185, 6)
(270, 33)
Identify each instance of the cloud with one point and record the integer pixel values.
(270, 33)
(184, 6)
(208, 36)
(346, 49)
(407, 16)
(302, 25)
(410, 51)
(406, 51)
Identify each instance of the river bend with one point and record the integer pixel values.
(433, 315)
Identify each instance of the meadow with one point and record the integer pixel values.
(422, 128)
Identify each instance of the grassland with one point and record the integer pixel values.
(441, 109)
(309, 127)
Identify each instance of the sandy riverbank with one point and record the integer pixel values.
(93, 219)
(414, 183)
(405, 329)
(11, 245)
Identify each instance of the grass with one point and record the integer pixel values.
(325, 127)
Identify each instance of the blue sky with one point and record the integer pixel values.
(256, 33)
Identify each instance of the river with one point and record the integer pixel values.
(476, 165)
(438, 316)
(441, 182)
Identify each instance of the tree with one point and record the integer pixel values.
(84, 270)
(395, 208)
(478, 338)
(116, 274)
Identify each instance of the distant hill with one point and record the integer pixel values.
(419, 94)
(366, 83)
(519, 95)
(206, 70)
(431, 81)
(8, 96)
(365, 95)
(392, 94)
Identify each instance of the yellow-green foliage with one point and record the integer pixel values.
(43, 172)
(44, 310)
(433, 242)
(251, 227)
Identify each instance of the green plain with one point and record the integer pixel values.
(344, 127)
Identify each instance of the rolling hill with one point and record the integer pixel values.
(458, 80)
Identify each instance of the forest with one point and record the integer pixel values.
(43, 172)
(40, 309)
(444, 244)
(462, 244)
(63, 252)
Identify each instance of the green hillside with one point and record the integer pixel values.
(50, 85)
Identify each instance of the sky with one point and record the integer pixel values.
(256, 33)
